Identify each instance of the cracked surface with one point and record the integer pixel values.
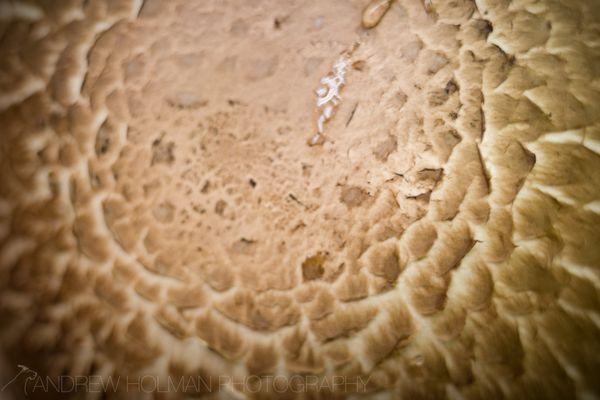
(160, 211)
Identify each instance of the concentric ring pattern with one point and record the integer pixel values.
(161, 212)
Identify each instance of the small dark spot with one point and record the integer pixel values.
(162, 152)
(220, 207)
(199, 209)
(430, 174)
(353, 196)
(487, 27)
(104, 146)
(312, 267)
(451, 87)
(278, 22)
(359, 65)
(206, 187)
(299, 225)
(400, 98)
(103, 140)
(252, 182)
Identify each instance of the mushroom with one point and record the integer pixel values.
(164, 226)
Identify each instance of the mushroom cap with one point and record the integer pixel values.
(161, 213)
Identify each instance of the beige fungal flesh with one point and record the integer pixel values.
(162, 216)
(373, 13)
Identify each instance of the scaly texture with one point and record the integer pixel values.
(161, 213)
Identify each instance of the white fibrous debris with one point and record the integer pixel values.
(328, 95)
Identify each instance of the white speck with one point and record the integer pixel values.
(328, 95)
